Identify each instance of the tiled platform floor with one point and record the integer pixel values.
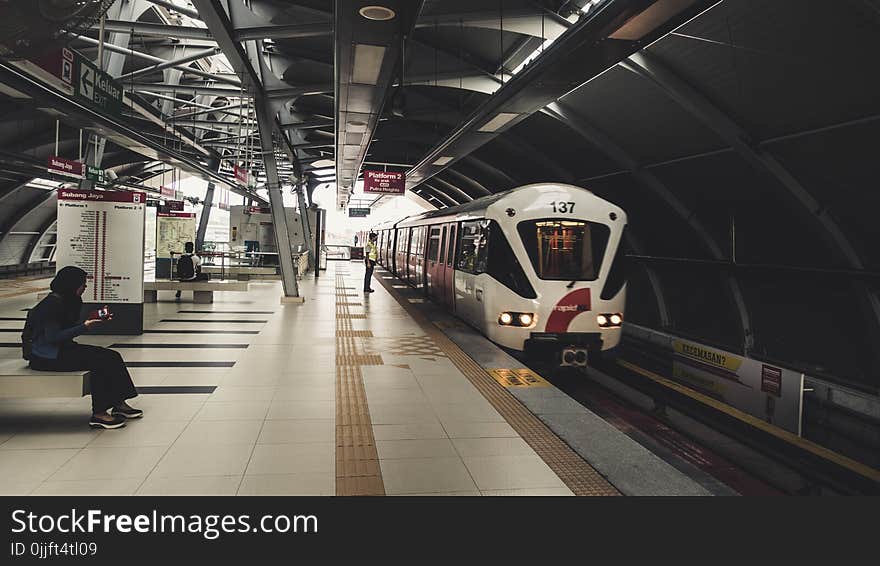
(269, 427)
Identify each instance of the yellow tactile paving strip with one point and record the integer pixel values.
(578, 475)
(23, 286)
(357, 462)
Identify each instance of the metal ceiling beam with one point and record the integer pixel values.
(173, 63)
(155, 30)
(598, 41)
(154, 59)
(185, 89)
(450, 187)
(175, 8)
(216, 18)
(288, 31)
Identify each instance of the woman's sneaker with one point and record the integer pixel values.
(114, 422)
(128, 412)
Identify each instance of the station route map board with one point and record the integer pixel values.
(102, 232)
(173, 230)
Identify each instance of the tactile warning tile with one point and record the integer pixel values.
(403, 346)
(357, 461)
(359, 360)
(354, 333)
(520, 377)
(351, 304)
(578, 475)
(346, 316)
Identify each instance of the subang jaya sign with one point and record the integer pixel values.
(384, 182)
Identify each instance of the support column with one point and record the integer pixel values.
(214, 165)
(265, 121)
(306, 224)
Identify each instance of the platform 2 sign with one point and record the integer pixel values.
(384, 182)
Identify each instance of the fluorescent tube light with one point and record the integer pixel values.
(443, 160)
(498, 122)
(367, 63)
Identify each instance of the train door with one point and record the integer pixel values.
(433, 264)
(449, 267)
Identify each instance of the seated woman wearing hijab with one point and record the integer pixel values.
(55, 322)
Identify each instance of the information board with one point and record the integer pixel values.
(150, 244)
(384, 182)
(358, 212)
(173, 230)
(102, 232)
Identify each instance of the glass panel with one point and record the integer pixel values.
(503, 265)
(568, 250)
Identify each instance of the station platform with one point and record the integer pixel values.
(346, 394)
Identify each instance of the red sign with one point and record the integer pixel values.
(67, 167)
(167, 191)
(136, 197)
(176, 214)
(259, 210)
(59, 63)
(771, 380)
(241, 175)
(384, 182)
(171, 205)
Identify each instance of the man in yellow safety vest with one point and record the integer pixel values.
(371, 256)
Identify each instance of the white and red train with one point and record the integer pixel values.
(533, 268)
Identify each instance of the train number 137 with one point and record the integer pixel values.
(563, 207)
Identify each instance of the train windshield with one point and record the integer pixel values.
(570, 250)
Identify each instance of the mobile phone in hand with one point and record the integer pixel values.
(104, 313)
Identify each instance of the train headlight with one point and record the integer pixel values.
(520, 319)
(609, 320)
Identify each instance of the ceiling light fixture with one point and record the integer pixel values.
(377, 13)
(442, 160)
(498, 122)
(367, 63)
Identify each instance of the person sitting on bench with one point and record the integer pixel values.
(189, 267)
(47, 342)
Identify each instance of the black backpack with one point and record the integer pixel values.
(27, 333)
(27, 338)
(185, 269)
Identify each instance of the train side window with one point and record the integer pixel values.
(434, 245)
(503, 265)
(442, 245)
(619, 271)
(473, 247)
(450, 250)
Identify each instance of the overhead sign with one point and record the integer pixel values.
(67, 167)
(167, 192)
(259, 210)
(241, 175)
(95, 174)
(384, 182)
(97, 88)
(358, 212)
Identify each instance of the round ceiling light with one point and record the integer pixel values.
(377, 13)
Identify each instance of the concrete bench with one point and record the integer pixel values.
(242, 272)
(17, 380)
(203, 291)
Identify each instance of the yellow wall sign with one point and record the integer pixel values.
(520, 377)
(721, 360)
